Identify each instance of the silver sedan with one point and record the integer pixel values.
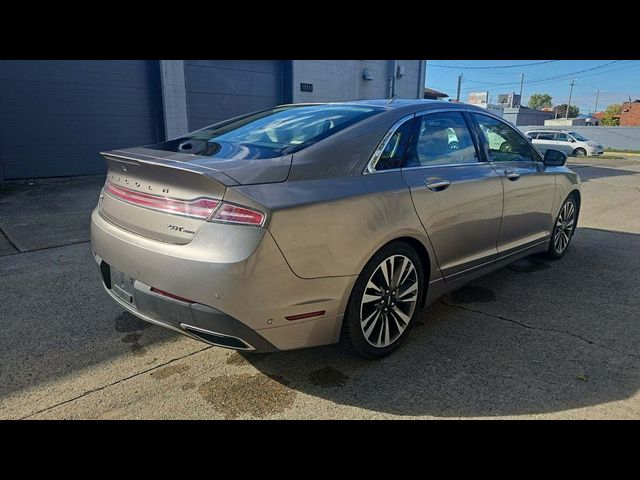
(306, 225)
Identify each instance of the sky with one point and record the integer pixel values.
(616, 79)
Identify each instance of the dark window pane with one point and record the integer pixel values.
(272, 133)
(394, 151)
(504, 142)
(547, 136)
(440, 139)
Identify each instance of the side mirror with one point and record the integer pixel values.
(554, 158)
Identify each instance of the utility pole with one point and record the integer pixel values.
(459, 84)
(426, 64)
(597, 98)
(521, 86)
(566, 113)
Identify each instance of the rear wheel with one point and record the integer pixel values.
(580, 152)
(506, 147)
(563, 229)
(384, 302)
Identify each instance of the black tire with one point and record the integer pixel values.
(580, 152)
(454, 145)
(553, 252)
(353, 336)
(505, 147)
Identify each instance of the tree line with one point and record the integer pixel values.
(539, 101)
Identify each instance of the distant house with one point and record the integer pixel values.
(431, 94)
(630, 116)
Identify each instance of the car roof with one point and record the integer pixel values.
(408, 104)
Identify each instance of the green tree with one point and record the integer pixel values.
(611, 117)
(540, 100)
(562, 109)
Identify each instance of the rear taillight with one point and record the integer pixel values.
(228, 213)
(202, 208)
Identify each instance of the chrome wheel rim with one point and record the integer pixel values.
(564, 227)
(581, 153)
(389, 300)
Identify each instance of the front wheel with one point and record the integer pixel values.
(384, 302)
(564, 228)
(580, 152)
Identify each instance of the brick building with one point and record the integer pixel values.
(630, 116)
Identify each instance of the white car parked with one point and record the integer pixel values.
(571, 143)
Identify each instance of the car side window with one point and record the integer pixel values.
(546, 136)
(562, 137)
(505, 143)
(532, 135)
(393, 152)
(440, 139)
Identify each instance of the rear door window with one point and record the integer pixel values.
(547, 136)
(440, 139)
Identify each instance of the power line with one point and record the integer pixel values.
(543, 80)
(492, 67)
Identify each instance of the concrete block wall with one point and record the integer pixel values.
(618, 138)
(340, 80)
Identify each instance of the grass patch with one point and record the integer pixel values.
(613, 150)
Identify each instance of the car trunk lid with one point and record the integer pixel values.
(164, 197)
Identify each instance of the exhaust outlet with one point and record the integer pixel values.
(217, 339)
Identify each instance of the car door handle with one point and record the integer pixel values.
(511, 175)
(437, 185)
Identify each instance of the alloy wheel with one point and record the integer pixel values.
(389, 300)
(564, 227)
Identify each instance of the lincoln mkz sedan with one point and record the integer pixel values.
(313, 224)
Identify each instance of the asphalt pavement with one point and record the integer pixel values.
(537, 339)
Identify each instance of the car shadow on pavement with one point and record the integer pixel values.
(594, 172)
(537, 336)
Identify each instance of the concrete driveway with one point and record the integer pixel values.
(537, 339)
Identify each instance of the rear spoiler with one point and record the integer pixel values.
(178, 161)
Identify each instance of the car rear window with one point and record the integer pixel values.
(271, 133)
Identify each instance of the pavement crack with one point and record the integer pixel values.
(11, 242)
(88, 392)
(541, 329)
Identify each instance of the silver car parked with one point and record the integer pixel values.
(306, 225)
(571, 143)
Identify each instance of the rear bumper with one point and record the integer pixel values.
(245, 295)
(192, 319)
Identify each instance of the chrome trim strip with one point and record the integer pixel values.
(422, 167)
(188, 327)
(371, 166)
